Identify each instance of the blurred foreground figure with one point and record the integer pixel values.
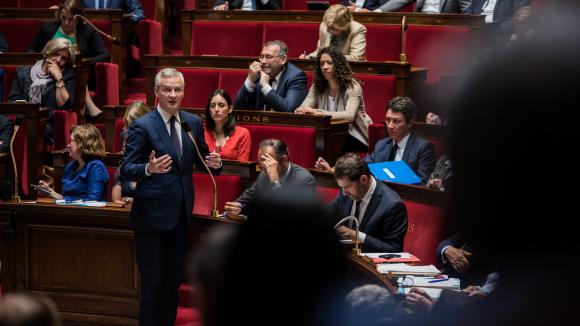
(23, 309)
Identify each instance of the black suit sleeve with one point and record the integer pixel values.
(392, 235)
(96, 48)
(17, 92)
(426, 162)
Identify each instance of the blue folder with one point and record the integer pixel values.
(394, 171)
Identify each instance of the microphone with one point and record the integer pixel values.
(404, 26)
(107, 36)
(356, 249)
(17, 123)
(187, 129)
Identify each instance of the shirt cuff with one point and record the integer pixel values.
(377, 10)
(146, 172)
(361, 236)
(266, 89)
(250, 85)
(443, 259)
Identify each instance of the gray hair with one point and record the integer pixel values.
(371, 303)
(52, 47)
(168, 73)
(283, 47)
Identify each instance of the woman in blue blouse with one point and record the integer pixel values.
(85, 177)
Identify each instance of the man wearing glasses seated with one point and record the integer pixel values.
(272, 82)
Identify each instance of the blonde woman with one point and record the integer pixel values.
(85, 177)
(338, 30)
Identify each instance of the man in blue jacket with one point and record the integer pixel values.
(132, 7)
(159, 156)
(273, 82)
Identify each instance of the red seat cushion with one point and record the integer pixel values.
(377, 90)
(231, 80)
(188, 316)
(442, 49)
(62, 121)
(107, 83)
(19, 33)
(425, 231)
(229, 188)
(309, 78)
(376, 133)
(327, 194)
(299, 37)
(226, 38)
(301, 141)
(199, 83)
(383, 42)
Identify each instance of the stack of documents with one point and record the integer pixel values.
(404, 269)
(90, 203)
(404, 257)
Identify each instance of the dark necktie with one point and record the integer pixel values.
(175, 138)
(393, 153)
(356, 204)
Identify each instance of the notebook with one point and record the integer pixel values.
(394, 171)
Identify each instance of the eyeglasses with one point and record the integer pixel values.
(268, 57)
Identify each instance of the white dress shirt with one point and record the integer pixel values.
(364, 203)
(401, 144)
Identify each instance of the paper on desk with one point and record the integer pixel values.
(405, 257)
(401, 268)
(90, 203)
(423, 281)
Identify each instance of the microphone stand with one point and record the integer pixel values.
(187, 129)
(403, 55)
(16, 197)
(356, 250)
(111, 38)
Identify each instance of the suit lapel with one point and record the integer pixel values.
(186, 144)
(161, 129)
(408, 147)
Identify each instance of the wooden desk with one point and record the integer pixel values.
(408, 78)
(329, 135)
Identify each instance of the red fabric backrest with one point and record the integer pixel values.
(62, 121)
(10, 3)
(150, 39)
(226, 38)
(19, 33)
(149, 8)
(409, 8)
(105, 26)
(107, 83)
(34, 3)
(309, 78)
(442, 49)
(229, 188)
(9, 75)
(231, 80)
(300, 37)
(377, 90)
(376, 133)
(425, 231)
(383, 42)
(188, 4)
(117, 144)
(111, 171)
(199, 83)
(294, 5)
(301, 141)
(327, 194)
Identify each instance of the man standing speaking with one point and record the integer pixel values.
(159, 156)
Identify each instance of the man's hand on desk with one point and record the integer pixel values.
(345, 232)
(419, 301)
(474, 291)
(233, 208)
(458, 259)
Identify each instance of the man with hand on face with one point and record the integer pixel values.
(273, 82)
(402, 144)
(276, 172)
(159, 156)
(381, 214)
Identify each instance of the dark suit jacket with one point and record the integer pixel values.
(370, 4)
(298, 179)
(419, 155)
(90, 42)
(503, 12)
(158, 198)
(237, 4)
(384, 221)
(447, 6)
(132, 7)
(6, 131)
(289, 94)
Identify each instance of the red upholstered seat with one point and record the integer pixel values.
(105, 26)
(327, 194)
(62, 121)
(199, 83)
(231, 80)
(107, 83)
(309, 78)
(229, 188)
(442, 49)
(294, 5)
(301, 141)
(299, 37)
(187, 316)
(150, 38)
(383, 42)
(19, 32)
(425, 231)
(377, 90)
(111, 182)
(376, 133)
(117, 144)
(231, 38)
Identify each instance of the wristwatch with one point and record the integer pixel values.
(60, 83)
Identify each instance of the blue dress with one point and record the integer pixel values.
(90, 183)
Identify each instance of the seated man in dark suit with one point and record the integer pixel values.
(381, 213)
(131, 7)
(427, 7)
(273, 82)
(277, 172)
(497, 11)
(247, 5)
(402, 144)
(362, 5)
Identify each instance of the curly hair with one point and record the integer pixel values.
(89, 141)
(210, 123)
(342, 72)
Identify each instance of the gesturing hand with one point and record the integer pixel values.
(264, 79)
(254, 71)
(213, 160)
(53, 69)
(159, 165)
(321, 164)
(233, 208)
(271, 166)
(345, 232)
(458, 259)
